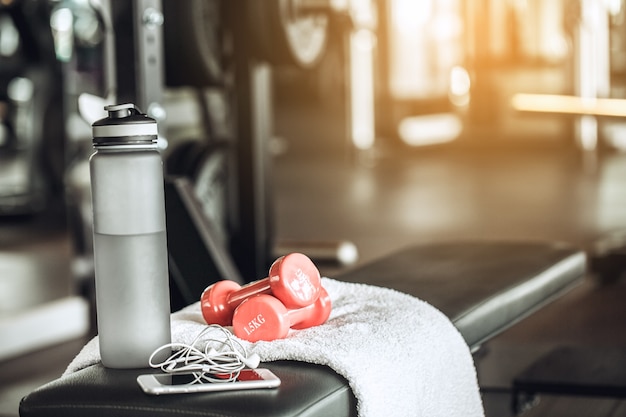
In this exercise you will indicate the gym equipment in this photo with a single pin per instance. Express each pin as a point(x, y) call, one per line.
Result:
point(31, 124)
point(264, 317)
point(192, 37)
point(292, 32)
point(138, 54)
point(293, 279)
point(341, 252)
point(207, 168)
point(571, 371)
point(195, 250)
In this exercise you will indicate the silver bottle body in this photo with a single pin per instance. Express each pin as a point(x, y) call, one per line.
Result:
point(130, 254)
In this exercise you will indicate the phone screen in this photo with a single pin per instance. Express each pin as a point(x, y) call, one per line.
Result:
point(184, 379)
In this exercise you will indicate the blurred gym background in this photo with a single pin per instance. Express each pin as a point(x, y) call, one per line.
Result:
point(344, 129)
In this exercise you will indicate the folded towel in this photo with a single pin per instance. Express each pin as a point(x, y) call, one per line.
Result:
point(400, 355)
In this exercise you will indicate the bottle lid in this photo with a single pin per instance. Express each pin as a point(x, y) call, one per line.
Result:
point(125, 125)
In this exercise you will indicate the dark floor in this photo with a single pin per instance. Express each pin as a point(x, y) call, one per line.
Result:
point(384, 200)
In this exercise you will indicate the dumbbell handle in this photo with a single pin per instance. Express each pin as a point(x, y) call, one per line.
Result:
point(261, 286)
point(311, 315)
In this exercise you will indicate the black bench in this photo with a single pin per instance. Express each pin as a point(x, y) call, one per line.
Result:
point(483, 287)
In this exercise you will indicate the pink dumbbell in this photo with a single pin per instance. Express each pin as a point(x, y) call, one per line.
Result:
point(293, 279)
point(264, 317)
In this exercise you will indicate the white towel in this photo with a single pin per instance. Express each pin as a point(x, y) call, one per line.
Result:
point(400, 355)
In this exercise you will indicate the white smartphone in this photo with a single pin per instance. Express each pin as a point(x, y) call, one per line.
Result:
point(157, 384)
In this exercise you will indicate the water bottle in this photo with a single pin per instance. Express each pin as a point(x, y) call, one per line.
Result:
point(130, 247)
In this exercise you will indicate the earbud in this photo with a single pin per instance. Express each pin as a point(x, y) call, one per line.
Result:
point(251, 361)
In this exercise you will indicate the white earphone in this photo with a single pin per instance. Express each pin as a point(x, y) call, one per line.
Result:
point(221, 360)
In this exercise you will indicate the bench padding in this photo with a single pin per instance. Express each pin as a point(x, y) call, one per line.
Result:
point(483, 287)
point(306, 390)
